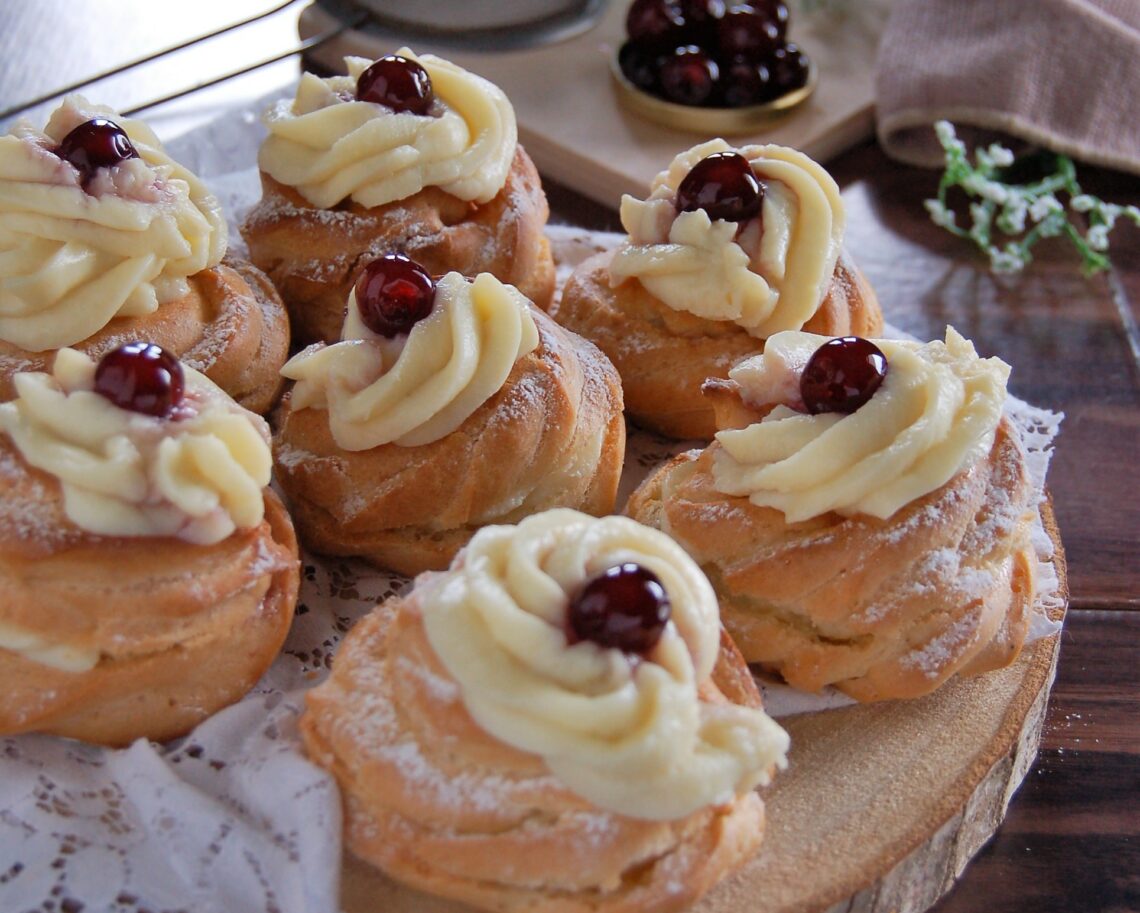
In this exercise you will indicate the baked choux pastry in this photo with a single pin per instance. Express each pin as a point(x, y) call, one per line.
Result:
point(864, 513)
point(409, 153)
point(104, 239)
point(555, 723)
point(731, 246)
point(149, 574)
point(448, 405)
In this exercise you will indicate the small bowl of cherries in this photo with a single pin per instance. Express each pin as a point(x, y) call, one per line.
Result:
point(713, 66)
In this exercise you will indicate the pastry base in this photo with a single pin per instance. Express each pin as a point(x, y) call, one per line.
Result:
point(882, 806)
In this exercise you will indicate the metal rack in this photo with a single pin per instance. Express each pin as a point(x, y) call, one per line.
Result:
point(353, 20)
point(347, 15)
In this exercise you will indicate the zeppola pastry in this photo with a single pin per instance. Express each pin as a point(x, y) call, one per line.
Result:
point(863, 514)
point(731, 246)
point(447, 405)
point(410, 153)
point(104, 239)
point(554, 723)
point(149, 574)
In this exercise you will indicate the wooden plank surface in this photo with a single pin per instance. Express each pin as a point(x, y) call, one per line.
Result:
point(1071, 839)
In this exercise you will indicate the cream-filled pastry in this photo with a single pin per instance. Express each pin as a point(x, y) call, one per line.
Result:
point(150, 573)
point(863, 513)
point(105, 239)
point(409, 153)
point(730, 246)
point(447, 405)
point(555, 722)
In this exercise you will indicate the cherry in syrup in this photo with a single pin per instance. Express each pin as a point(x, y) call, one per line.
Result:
point(789, 67)
point(744, 31)
point(624, 607)
point(141, 377)
point(641, 66)
point(398, 83)
point(748, 83)
point(842, 375)
point(775, 11)
point(688, 76)
point(393, 293)
point(654, 22)
point(724, 186)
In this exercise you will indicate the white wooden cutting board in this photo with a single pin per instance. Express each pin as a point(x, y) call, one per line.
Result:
point(573, 127)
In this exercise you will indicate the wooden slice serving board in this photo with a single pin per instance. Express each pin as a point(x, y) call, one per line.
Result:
point(882, 805)
point(573, 127)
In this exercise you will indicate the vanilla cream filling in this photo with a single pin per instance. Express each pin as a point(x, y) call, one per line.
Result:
point(197, 476)
point(418, 388)
point(330, 147)
point(629, 734)
point(935, 413)
point(31, 646)
point(72, 260)
point(765, 275)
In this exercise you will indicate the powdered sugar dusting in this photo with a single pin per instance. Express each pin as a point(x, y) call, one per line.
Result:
point(932, 657)
point(441, 689)
point(369, 718)
point(30, 510)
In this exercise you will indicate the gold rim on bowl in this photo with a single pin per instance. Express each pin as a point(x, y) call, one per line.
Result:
point(711, 121)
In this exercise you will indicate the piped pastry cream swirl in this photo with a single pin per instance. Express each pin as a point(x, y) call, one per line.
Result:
point(415, 389)
point(330, 147)
point(629, 734)
point(197, 475)
point(767, 274)
point(935, 414)
point(72, 259)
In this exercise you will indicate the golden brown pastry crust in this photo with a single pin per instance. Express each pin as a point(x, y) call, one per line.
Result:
point(182, 630)
point(553, 436)
point(437, 803)
point(663, 355)
point(232, 327)
point(314, 255)
point(879, 608)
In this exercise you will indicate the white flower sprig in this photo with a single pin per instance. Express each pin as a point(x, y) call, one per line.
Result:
point(1030, 210)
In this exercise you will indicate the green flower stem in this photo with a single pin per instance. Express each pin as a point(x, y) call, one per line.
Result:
point(1025, 213)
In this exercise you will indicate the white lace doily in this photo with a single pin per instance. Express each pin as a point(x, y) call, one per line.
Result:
point(232, 818)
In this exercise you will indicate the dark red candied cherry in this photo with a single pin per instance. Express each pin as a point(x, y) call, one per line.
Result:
point(746, 83)
point(398, 83)
point(774, 11)
point(743, 31)
point(141, 377)
point(654, 21)
point(701, 12)
point(393, 293)
point(689, 76)
point(842, 375)
point(640, 64)
point(724, 186)
point(789, 68)
point(700, 18)
point(94, 144)
point(624, 607)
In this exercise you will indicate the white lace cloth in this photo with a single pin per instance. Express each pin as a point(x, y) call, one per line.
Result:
point(232, 818)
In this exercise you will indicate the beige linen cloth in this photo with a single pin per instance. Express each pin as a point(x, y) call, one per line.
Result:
point(1063, 74)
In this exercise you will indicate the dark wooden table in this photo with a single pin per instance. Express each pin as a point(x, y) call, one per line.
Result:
point(1071, 841)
